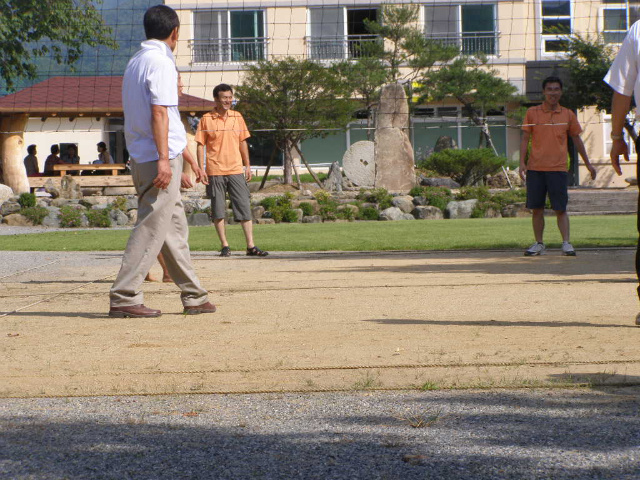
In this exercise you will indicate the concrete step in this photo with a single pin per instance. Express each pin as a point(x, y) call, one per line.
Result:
point(591, 201)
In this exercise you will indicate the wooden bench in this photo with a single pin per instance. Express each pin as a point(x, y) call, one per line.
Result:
point(78, 167)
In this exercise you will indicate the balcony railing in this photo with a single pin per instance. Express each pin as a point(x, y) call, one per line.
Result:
point(470, 43)
point(218, 50)
point(338, 48)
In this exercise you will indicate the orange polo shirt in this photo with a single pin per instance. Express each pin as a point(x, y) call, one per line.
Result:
point(222, 136)
point(549, 130)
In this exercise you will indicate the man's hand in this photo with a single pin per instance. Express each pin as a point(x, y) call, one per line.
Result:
point(523, 171)
point(185, 181)
point(592, 171)
point(247, 173)
point(619, 147)
point(164, 175)
point(201, 176)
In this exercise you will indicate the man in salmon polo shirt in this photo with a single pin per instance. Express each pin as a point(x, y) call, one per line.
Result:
point(548, 127)
point(224, 134)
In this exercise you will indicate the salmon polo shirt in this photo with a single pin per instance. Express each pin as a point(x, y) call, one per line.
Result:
point(222, 136)
point(549, 129)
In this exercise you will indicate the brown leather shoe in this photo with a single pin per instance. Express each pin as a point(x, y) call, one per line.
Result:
point(207, 307)
point(136, 311)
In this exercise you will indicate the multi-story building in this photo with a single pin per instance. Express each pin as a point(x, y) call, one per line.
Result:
point(523, 40)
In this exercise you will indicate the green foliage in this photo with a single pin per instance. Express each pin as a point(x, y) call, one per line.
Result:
point(467, 167)
point(590, 58)
point(34, 214)
point(466, 193)
point(279, 207)
point(377, 195)
point(27, 200)
point(296, 99)
point(508, 197)
point(307, 208)
point(119, 203)
point(468, 80)
point(329, 210)
point(344, 212)
point(436, 196)
point(368, 213)
point(99, 218)
point(60, 29)
point(70, 217)
point(290, 216)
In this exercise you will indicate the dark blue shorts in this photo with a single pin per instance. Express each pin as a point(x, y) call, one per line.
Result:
point(541, 184)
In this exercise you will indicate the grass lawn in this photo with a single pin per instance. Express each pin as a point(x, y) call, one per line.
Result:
point(499, 233)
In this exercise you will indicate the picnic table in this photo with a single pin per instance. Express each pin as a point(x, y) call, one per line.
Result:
point(76, 167)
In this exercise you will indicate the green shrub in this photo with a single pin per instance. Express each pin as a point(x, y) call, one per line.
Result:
point(436, 196)
point(328, 211)
point(368, 213)
point(467, 193)
point(290, 216)
point(268, 203)
point(467, 167)
point(34, 214)
point(322, 196)
point(278, 206)
point(377, 195)
point(119, 203)
point(508, 197)
point(99, 218)
point(307, 208)
point(346, 213)
point(27, 200)
point(70, 217)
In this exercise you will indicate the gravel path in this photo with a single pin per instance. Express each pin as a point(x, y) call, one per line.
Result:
point(522, 434)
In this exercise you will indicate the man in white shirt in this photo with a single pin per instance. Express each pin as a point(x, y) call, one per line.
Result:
point(156, 140)
point(624, 78)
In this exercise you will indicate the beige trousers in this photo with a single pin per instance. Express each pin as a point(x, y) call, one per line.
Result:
point(161, 227)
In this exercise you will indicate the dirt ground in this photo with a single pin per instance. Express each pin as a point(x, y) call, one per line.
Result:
point(323, 321)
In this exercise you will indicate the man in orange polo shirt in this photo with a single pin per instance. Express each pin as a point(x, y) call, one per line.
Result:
point(224, 134)
point(548, 126)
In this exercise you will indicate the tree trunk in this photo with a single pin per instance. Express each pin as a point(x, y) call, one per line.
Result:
point(11, 150)
point(266, 172)
point(313, 174)
point(288, 164)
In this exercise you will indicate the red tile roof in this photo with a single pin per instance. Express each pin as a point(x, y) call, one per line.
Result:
point(74, 95)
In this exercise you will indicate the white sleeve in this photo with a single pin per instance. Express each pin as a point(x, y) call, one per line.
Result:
point(624, 71)
point(162, 81)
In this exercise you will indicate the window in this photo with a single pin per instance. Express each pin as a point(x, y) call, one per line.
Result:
point(617, 17)
point(471, 27)
point(228, 36)
point(556, 24)
point(338, 33)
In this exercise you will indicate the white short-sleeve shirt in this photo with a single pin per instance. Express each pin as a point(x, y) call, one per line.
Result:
point(623, 75)
point(151, 78)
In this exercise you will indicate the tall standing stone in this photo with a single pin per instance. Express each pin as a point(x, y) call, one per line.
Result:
point(394, 163)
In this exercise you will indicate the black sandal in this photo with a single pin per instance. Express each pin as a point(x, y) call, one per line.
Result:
point(225, 252)
point(256, 252)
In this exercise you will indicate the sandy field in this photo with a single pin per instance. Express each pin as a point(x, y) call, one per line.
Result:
point(323, 322)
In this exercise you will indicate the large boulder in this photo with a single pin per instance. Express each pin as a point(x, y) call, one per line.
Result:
point(460, 208)
point(403, 202)
point(393, 108)
point(5, 193)
point(392, 213)
point(70, 188)
point(516, 210)
point(394, 160)
point(198, 220)
point(132, 215)
point(427, 213)
point(312, 219)
point(51, 188)
point(118, 217)
point(439, 182)
point(257, 212)
point(9, 207)
point(119, 191)
point(52, 219)
point(359, 165)
point(16, 220)
point(444, 142)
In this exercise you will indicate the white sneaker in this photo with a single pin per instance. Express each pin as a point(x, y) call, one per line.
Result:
point(535, 249)
point(567, 249)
